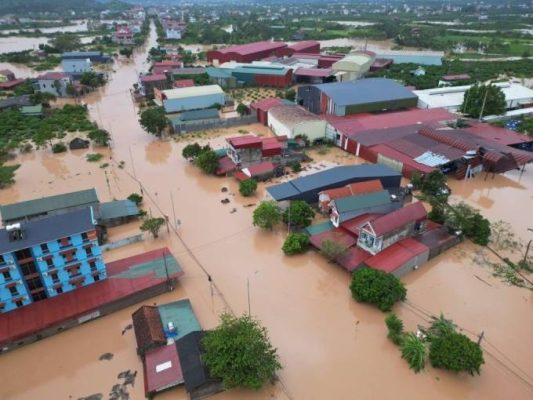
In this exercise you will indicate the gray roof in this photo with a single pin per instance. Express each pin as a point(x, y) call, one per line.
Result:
point(194, 115)
point(117, 209)
point(188, 71)
point(47, 229)
point(291, 115)
point(364, 91)
point(18, 101)
point(357, 202)
point(81, 54)
point(329, 178)
point(44, 205)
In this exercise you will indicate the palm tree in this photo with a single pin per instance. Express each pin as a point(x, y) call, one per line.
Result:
point(440, 326)
point(413, 351)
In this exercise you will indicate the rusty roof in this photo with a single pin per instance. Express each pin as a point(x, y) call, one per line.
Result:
point(148, 328)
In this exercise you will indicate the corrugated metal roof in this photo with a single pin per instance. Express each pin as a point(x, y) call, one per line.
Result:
point(117, 209)
point(208, 113)
point(352, 225)
point(305, 44)
point(353, 259)
point(389, 152)
point(251, 48)
point(245, 141)
point(162, 369)
point(261, 70)
point(192, 91)
point(336, 235)
point(431, 159)
point(148, 328)
point(220, 73)
point(181, 314)
point(47, 229)
point(396, 219)
point(47, 204)
point(351, 203)
point(314, 72)
point(364, 91)
point(319, 228)
point(291, 116)
point(393, 257)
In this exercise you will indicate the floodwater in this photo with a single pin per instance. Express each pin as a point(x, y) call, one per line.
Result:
point(18, 43)
point(79, 26)
point(330, 346)
point(355, 23)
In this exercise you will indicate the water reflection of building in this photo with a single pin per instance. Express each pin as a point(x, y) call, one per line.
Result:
point(45, 257)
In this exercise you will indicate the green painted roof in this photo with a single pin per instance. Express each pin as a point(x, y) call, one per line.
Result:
point(351, 203)
point(182, 316)
point(261, 70)
point(37, 109)
point(155, 266)
point(220, 73)
point(47, 204)
point(319, 228)
point(117, 209)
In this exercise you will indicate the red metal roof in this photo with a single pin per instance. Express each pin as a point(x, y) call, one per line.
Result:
point(266, 104)
point(399, 218)
point(352, 226)
point(251, 48)
point(459, 77)
point(354, 258)
point(337, 235)
point(165, 360)
point(183, 83)
point(153, 78)
point(11, 84)
point(299, 46)
point(361, 122)
point(245, 142)
point(314, 72)
point(497, 134)
point(225, 166)
point(393, 257)
point(272, 146)
point(261, 168)
point(389, 152)
point(41, 315)
point(381, 62)
point(241, 176)
point(52, 76)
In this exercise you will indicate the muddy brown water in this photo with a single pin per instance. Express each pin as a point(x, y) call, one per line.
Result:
point(330, 346)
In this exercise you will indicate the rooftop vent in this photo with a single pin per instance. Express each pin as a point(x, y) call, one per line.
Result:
point(15, 232)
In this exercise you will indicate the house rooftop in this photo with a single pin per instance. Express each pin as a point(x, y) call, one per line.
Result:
point(162, 369)
point(192, 91)
point(267, 104)
point(153, 78)
point(364, 91)
point(394, 220)
point(366, 200)
point(314, 72)
point(251, 48)
point(148, 328)
point(47, 229)
point(292, 116)
point(52, 76)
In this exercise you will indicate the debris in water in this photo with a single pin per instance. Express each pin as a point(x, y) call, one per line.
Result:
point(224, 189)
point(106, 357)
point(224, 201)
point(233, 211)
point(97, 396)
point(482, 280)
point(249, 205)
point(128, 327)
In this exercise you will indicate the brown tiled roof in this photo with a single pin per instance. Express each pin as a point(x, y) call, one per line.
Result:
point(148, 328)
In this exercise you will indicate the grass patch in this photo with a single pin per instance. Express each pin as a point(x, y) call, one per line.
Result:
point(94, 157)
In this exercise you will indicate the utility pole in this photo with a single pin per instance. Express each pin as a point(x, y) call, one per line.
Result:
point(480, 337)
point(248, 291)
point(169, 283)
point(484, 101)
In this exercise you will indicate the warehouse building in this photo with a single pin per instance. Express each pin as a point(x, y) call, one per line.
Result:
point(314, 75)
point(291, 121)
point(190, 98)
point(353, 97)
point(353, 66)
point(262, 107)
point(221, 77)
point(245, 53)
point(308, 187)
point(452, 98)
point(306, 46)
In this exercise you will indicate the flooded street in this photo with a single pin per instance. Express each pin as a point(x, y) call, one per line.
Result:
point(330, 346)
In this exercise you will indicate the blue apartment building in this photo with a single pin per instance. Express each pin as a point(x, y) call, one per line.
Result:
point(46, 257)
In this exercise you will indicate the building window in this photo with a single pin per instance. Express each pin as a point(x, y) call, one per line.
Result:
point(59, 290)
point(34, 283)
point(64, 242)
point(74, 271)
point(54, 277)
point(28, 268)
point(19, 303)
point(89, 251)
point(13, 290)
point(49, 262)
point(39, 296)
point(7, 275)
point(96, 278)
point(85, 236)
point(92, 265)
point(2, 260)
point(44, 248)
point(23, 254)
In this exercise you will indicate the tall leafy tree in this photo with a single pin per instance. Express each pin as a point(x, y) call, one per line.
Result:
point(456, 352)
point(377, 287)
point(239, 352)
point(298, 214)
point(413, 351)
point(483, 100)
point(152, 225)
point(267, 215)
point(153, 120)
point(207, 161)
point(7, 174)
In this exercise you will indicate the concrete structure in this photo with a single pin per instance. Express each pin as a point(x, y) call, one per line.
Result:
point(262, 107)
point(191, 98)
point(173, 29)
point(94, 56)
point(245, 53)
point(353, 66)
point(182, 121)
point(76, 66)
point(291, 121)
point(353, 97)
point(123, 35)
point(222, 77)
point(250, 149)
point(452, 98)
point(46, 257)
point(384, 231)
point(308, 187)
point(53, 82)
point(346, 208)
point(163, 67)
point(48, 206)
point(154, 81)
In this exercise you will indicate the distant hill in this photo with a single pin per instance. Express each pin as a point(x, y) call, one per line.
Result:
point(32, 7)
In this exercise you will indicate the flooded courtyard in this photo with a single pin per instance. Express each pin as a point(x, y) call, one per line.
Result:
point(330, 346)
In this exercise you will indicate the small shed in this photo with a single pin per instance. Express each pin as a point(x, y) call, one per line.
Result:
point(148, 329)
point(116, 212)
point(32, 111)
point(162, 370)
point(78, 143)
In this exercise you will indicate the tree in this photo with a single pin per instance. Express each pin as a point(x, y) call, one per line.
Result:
point(136, 198)
point(467, 219)
point(153, 120)
point(434, 184)
point(59, 147)
point(456, 352)
point(191, 151)
point(248, 187)
point(332, 250)
point(43, 98)
point(296, 243)
point(440, 326)
point(7, 174)
point(126, 51)
point(66, 42)
point(290, 94)
point(152, 225)
point(71, 90)
point(239, 352)
point(413, 351)
point(92, 79)
point(207, 161)
point(267, 214)
point(483, 100)
point(377, 287)
point(295, 166)
point(299, 214)
point(242, 109)
point(395, 327)
point(99, 136)
point(416, 179)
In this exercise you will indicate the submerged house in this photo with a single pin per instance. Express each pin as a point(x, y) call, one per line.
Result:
point(326, 196)
point(384, 231)
point(346, 208)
